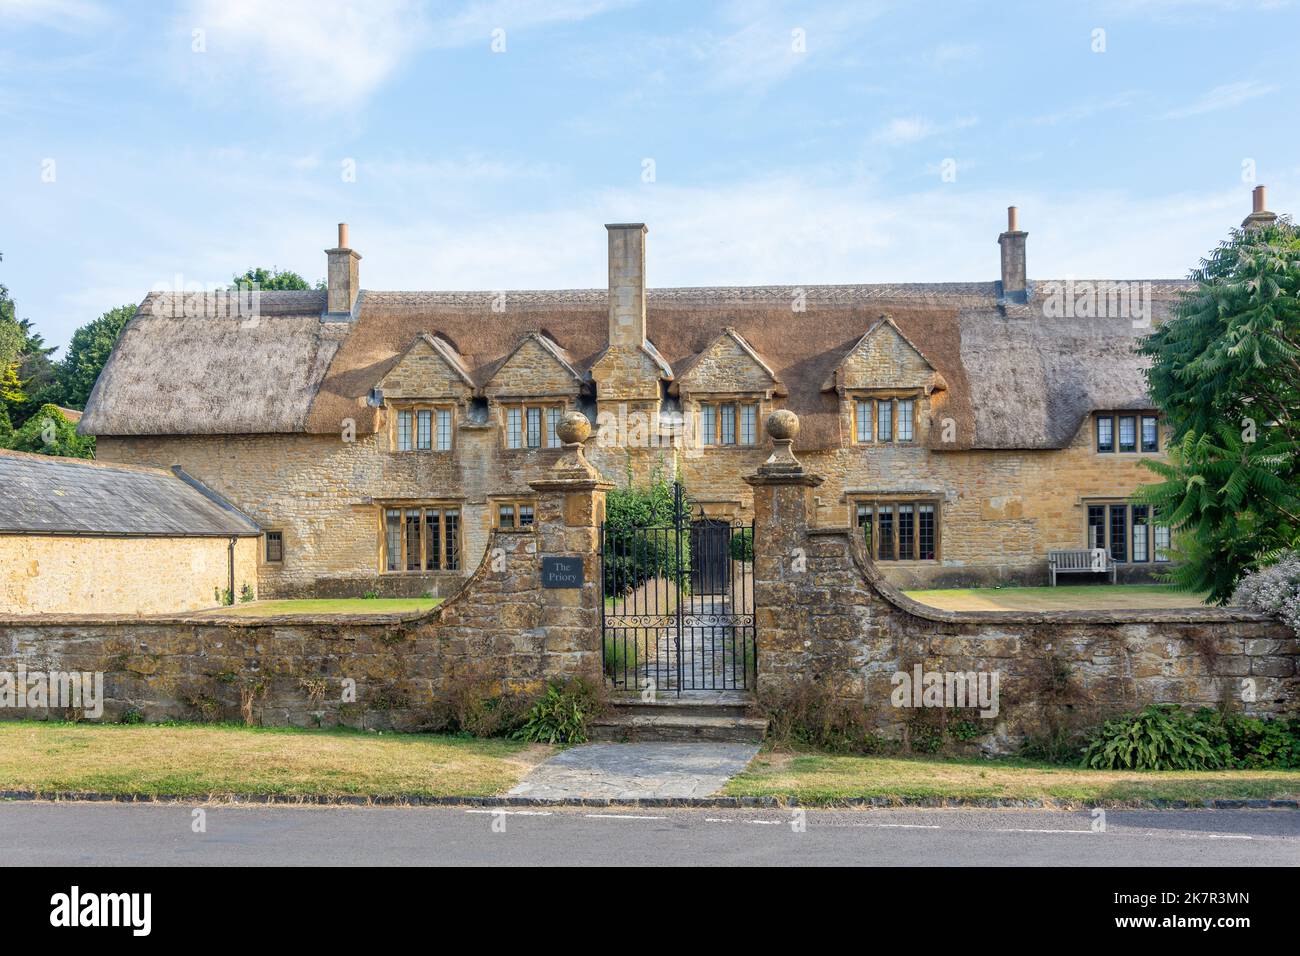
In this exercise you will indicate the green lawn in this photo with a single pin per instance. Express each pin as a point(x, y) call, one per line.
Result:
point(331, 606)
point(200, 759)
point(1065, 597)
point(820, 778)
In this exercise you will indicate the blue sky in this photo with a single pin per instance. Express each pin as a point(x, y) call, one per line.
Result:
point(763, 142)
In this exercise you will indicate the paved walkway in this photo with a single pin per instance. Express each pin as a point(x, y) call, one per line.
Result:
point(636, 770)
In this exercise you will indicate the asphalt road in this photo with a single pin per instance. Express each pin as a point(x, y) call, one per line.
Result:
point(81, 834)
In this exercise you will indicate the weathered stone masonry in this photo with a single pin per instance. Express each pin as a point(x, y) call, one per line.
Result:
point(826, 613)
point(502, 630)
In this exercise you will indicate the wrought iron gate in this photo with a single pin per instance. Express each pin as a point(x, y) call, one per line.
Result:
point(678, 610)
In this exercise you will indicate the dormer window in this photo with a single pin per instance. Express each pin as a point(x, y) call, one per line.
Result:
point(421, 428)
point(728, 423)
point(530, 425)
point(884, 420)
point(1127, 432)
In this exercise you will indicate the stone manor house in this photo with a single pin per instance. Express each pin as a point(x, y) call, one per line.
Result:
point(377, 437)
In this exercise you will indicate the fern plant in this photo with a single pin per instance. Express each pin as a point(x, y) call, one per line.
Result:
point(1159, 737)
point(561, 714)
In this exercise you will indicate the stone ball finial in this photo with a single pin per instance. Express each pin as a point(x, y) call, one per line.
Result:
point(782, 424)
point(573, 428)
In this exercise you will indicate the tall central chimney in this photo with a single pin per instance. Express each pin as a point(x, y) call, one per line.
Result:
point(343, 278)
point(1015, 286)
point(626, 284)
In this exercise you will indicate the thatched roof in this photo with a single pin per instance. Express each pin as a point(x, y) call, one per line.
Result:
point(217, 372)
point(1015, 378)
point(71, 496)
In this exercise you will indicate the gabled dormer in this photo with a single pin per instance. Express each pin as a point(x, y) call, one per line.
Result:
point(884, 358)
point(536, 367)
point(530, 390)
point(727, 366)
point(885, 382)
point(425, 393)
point(430, 368)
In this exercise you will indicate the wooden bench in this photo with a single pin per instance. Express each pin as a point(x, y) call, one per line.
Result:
point(1081, 561)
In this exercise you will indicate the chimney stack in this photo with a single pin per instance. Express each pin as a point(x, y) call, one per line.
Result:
point(1259, 214)
point(626, 284)
point(343, 277)
point(1015, 287)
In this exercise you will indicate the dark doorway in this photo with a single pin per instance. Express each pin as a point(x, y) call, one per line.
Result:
point(710, 557)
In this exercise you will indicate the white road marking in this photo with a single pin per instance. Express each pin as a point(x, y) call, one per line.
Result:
point(1040, 830)
point(518, 813)
point(718, 820)
point(767, 823)
point(1228, 836)
point(619, 816)
point(905, 826)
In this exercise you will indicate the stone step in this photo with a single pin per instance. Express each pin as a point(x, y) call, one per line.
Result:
point(671, 724)
point(700, 703)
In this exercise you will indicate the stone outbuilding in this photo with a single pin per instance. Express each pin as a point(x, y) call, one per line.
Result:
point(82, 537)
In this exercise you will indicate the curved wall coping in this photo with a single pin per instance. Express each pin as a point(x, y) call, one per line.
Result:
point(875, 579)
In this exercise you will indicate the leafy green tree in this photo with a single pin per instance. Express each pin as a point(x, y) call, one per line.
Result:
point(1226, 374)
point(90, 348)
point(11, 346)
point(49, 433)
point(632, 558)
point(37, 373)
point(6, 429)
point(271, 280)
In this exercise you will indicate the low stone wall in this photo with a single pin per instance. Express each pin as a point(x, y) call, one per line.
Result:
point(503, 630)
point(826, 613)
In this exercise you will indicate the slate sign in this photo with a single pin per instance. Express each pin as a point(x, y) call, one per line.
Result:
point(561, 572)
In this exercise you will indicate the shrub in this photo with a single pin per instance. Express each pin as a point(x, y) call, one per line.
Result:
point(561, 714)
point(1056, 745)
point(620, 655)
point(1159, 737)
point(246, 594)
point(809, 714)
point(132, 715)
point(1257, 743)
point(631, 558)
point(475, 707)
point(742, 545)
point(1274, 590)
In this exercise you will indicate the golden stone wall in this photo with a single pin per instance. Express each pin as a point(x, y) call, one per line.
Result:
point(58, 574)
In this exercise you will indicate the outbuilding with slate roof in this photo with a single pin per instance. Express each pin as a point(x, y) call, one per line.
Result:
point(85, 537)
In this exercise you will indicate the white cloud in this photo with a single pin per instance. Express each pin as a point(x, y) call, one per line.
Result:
point(1223, 97)
point(68, 15)
point(334, 54)
point(905, 130)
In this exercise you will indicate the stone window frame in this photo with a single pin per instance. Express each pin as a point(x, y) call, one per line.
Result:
point(737, 402)
point(550, 412)
point(516, 506)
point(266, 546)
point(413, 408)
point(872, 399)
point(451, 548)
point(1113, 419)
point(882, 500)
point(1128, 508)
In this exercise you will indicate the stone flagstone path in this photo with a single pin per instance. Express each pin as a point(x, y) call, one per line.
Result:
point(636, 771)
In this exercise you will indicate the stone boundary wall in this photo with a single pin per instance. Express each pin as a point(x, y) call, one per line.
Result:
point(827, 614)
point(502, 630)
